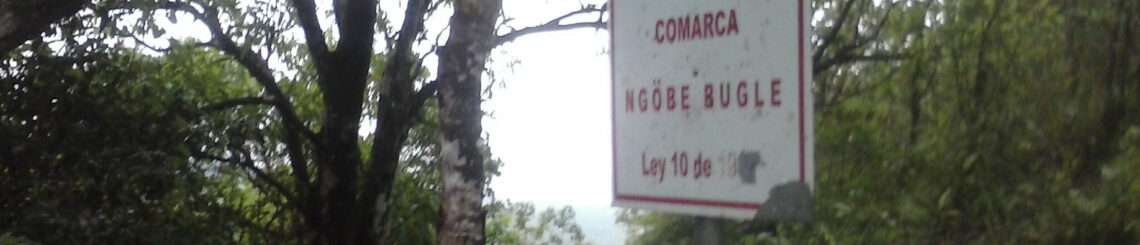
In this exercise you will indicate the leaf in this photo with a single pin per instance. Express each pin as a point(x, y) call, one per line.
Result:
point(945, 199)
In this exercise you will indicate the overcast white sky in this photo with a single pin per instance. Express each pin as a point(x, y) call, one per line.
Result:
point(551, 120)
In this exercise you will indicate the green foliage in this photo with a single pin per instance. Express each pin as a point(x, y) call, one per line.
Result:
point(1003, 122)
point(92, 147)
point(517, 223)
point(8, 239)
point(111, 131)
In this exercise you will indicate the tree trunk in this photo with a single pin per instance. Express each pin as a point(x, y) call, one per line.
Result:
point(461, 66)
point(343, 82)
point(21, 20)
point(399, 106)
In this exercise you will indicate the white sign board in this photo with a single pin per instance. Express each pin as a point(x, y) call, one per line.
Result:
point(712, 104)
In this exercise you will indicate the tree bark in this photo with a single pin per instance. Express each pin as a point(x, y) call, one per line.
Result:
point(339, 160)
point(21, 20)
point(399, 106)
point(461, 65)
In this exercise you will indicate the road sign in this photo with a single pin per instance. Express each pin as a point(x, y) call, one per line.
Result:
point(712, 104)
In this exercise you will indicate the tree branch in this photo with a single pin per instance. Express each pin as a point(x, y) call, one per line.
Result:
point(557, 25)
point(850, 52)
point(397, 105)
point(235, 102)
point(314, 36)
point(829, 39)
point(258, 68)
point(426, 92)
point(844, 59)
point(246, 163)
point(23, 20)
point(151, 47)
point(356, 35)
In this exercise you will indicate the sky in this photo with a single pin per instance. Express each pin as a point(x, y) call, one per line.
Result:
point(550, 119)
point(550, 125)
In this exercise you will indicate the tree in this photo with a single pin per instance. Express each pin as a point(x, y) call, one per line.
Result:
point(315, 170)
point(88, 150)
point(461, 66)
point(517, 223)
point(994, 122)
point(24, 20)
point(164, 194)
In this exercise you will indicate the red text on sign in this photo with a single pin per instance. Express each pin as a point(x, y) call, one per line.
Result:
point(716, 95)
point(696, 27)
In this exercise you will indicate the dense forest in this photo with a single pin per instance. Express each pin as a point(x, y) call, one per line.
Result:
point(271, 122)
point(970, 121)
point(937, 122)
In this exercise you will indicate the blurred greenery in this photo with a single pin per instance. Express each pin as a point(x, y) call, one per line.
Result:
point(518, 223)
point(96, 147)
point(996, 122)
point(93, 151)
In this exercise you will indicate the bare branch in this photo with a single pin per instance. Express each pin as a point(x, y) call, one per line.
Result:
point(557, 25)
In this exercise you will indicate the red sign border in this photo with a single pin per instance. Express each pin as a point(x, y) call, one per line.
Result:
point(687, 201)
